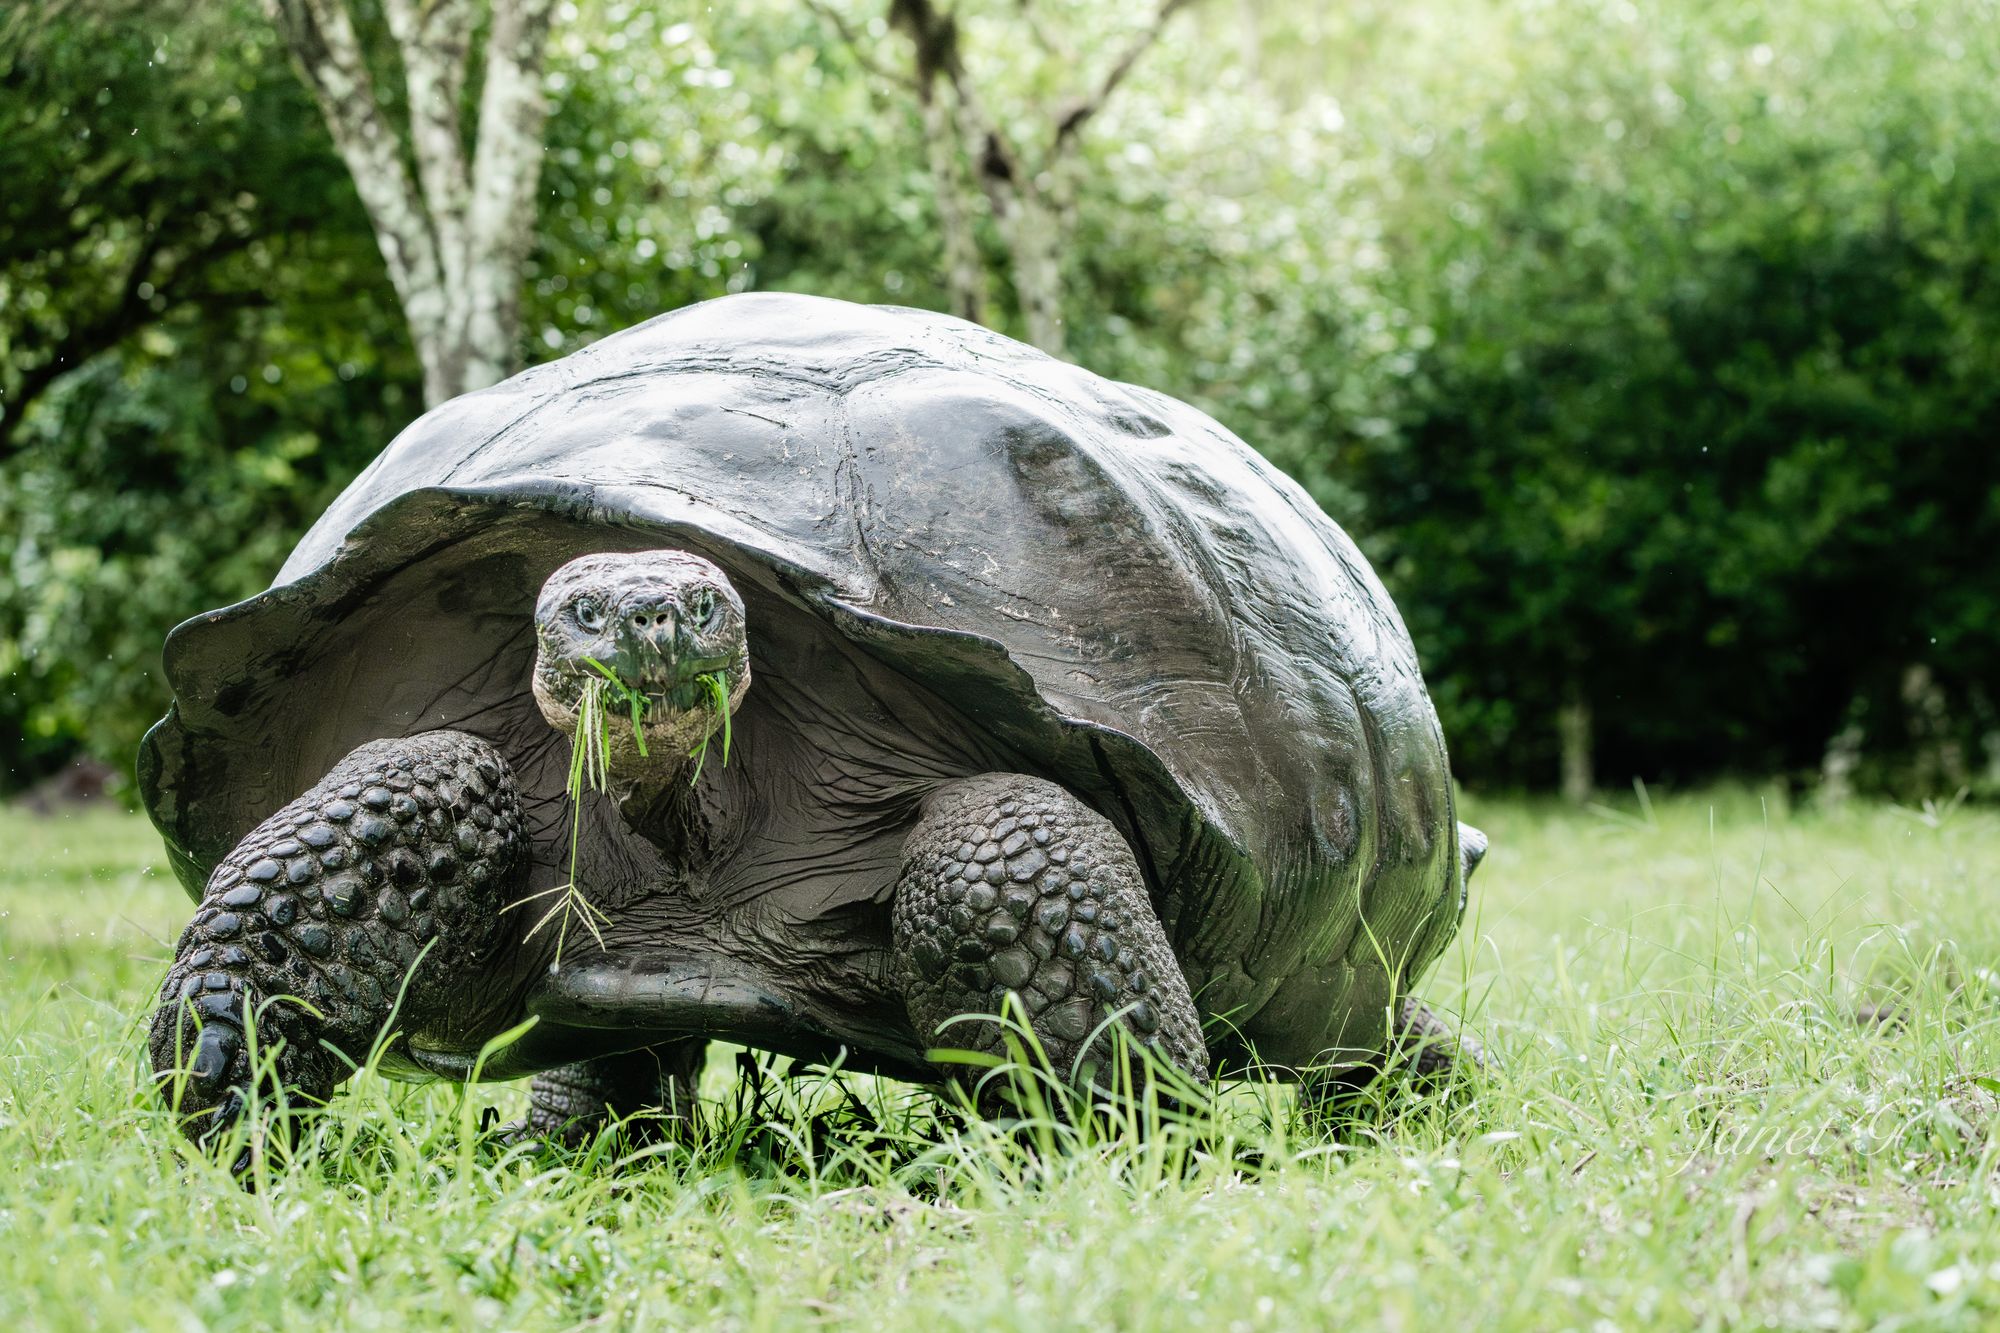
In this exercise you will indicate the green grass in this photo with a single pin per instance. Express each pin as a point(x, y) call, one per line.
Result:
point(1687, 1127)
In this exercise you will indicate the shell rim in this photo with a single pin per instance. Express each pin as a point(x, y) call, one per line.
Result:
point(362, 559)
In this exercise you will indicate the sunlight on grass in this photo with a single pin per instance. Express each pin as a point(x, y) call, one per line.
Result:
point(1686, 1123)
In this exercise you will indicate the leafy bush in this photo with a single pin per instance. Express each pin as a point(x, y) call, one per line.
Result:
point(1647, 349)
point(1701, 410)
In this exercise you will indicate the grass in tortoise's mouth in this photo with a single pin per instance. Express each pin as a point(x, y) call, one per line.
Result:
point(604, 696)
point(648, 694)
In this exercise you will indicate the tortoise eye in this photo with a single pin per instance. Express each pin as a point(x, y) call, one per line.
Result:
point(701, 605)
point(589, 615)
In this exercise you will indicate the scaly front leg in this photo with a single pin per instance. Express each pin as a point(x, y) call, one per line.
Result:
point(312, 927)
point(1012, 885)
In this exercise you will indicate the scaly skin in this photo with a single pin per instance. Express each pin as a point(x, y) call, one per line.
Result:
point(570, 1104)
point(1427, 1050)
point(408, 842)
point(1010, 883)
point(1431, 1046)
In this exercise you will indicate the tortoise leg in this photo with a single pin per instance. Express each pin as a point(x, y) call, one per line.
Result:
point(568, 1105)
point(1425, 1048)
point(1010, 884)
point(1431, 1047)
point(316, 920)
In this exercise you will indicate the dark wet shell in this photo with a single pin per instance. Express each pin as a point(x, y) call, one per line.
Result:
point(1105, 582)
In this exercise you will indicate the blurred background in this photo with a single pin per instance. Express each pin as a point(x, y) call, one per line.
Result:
point(1651, 351)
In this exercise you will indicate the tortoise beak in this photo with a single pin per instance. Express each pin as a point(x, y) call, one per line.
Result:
point(648, 652)
point(655, 652)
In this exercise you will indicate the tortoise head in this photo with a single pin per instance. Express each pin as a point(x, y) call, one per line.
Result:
point(667, 624)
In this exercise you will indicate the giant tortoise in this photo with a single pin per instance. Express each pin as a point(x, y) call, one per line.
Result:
point(1043, 686)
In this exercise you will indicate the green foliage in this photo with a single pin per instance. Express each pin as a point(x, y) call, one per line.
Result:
point(233, 355)
point(161, 182)
point(1646, 348)
point(1699, 404)
point(654, 154)
point(132, 519)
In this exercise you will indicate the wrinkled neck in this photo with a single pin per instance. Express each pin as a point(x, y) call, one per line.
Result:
point(652, 789)
point(663, 771)
point(665, 807)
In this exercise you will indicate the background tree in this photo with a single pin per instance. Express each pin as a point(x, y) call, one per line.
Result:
point(140, 147)
point(1689, 456)
point(453, 233)
point(1647, 349)
point(1024, 164)
point(170, 469)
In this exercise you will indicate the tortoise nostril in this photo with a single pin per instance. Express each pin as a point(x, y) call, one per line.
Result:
point(648, 619)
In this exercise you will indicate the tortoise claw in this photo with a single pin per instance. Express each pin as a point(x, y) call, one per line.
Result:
point(206, 1127)
point(214, 1052)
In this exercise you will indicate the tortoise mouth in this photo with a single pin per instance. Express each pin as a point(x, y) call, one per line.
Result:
point(675, 686)
point(653, 711)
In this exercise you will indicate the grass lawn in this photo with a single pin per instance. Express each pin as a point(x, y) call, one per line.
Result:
point(1686, 1126)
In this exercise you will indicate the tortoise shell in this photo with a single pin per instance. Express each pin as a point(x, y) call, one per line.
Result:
point(1023, 564)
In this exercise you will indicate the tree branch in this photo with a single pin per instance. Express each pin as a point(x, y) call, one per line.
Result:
point(947, 142)
point(964, 270)
point(1043, 37)
point(934, 34)
point(506, 165)
point(512, 110)
point(1078, 115)
point(434, 38)
point(126, 313)
point(852, 40)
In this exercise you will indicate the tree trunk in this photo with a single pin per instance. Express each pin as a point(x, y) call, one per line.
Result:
point(453, 236)
point(1936, 758)
point(1989, 739)
point(964, 270)
point(1026, 208)
point(1841, 758)
point(1033, 232)
point(1573, 734)
point(1250, 40)
point(505, 172)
